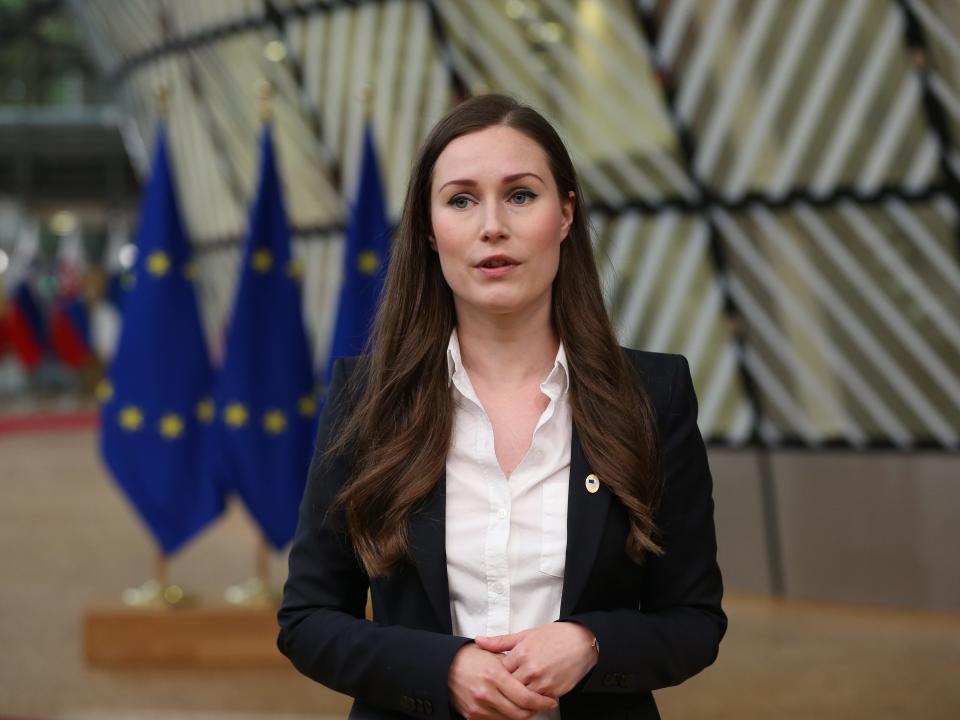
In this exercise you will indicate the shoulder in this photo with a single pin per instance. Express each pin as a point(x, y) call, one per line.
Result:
point(346, 385)
point(662, 375)
point(347, 365)
point(348, 372)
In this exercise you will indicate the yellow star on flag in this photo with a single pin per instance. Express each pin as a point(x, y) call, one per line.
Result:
point(262, 260)
point(104, 391)
point(131, 418)
point(307, 405)
point(205, 411)
point(235, 415)
point(158, 263)
point(295, 269)
point(274, 422)
point(171, 426)
point(368, 262)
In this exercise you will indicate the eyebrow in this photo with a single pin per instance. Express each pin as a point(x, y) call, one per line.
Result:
point(506, 179)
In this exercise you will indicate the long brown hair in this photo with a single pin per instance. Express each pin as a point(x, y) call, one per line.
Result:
point(399, 431)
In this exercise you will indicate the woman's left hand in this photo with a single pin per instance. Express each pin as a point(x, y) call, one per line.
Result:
point(550, 659)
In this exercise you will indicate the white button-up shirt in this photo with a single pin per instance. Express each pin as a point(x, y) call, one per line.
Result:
point(506, 539)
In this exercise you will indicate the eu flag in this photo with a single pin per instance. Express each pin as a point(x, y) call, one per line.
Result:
point(365, 256)
point(156, 408)
point(264, 396)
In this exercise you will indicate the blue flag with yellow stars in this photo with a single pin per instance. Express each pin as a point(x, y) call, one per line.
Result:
point(156, 405)
point(264, 397)
point(365, 257)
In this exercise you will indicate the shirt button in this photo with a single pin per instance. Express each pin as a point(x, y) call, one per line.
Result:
point(498, 588)
point(501, 513)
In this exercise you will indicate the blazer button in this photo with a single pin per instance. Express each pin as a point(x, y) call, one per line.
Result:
point(428, 707)
point(610, 680)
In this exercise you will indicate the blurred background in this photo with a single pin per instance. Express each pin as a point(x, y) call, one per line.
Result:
point(775, 189)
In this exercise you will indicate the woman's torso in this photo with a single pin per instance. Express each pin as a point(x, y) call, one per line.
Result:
point(506, 535)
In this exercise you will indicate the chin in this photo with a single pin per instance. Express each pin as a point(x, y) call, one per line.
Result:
point(503, 303)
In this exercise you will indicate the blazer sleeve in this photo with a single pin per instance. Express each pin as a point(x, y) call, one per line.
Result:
point(323, 629)
point(677, 630)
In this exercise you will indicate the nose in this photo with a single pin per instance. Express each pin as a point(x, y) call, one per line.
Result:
point(494, 223)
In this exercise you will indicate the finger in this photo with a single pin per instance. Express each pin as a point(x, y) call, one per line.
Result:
point(500, 643)
point(538, 685)
point(510, 662)
point(496, 643)
point(494, 705)
point(504, 709)
point(523, 697)
point(525, 677)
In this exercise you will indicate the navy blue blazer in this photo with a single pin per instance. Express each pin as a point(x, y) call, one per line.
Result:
point(657, 623)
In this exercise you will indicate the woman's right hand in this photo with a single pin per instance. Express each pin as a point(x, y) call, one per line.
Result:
point(482, 689)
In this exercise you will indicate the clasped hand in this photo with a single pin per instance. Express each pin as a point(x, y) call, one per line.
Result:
point(515, 676)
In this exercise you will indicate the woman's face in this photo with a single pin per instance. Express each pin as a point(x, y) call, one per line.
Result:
point(498, 221)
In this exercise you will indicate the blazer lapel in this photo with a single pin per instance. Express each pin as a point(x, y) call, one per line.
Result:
point(586, 516)
point(428, 540)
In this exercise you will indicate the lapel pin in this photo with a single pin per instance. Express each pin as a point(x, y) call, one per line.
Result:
point(592, 483)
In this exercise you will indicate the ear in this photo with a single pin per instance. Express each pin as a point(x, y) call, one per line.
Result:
point(433, 242)
point(566, 211)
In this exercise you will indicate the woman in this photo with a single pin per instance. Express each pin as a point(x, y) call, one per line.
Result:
point(528, 503)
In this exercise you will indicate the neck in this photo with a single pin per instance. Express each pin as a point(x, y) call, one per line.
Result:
point(507, 349)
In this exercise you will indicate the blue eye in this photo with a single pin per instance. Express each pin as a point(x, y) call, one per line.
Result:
point(461, 202)
point(522, 197)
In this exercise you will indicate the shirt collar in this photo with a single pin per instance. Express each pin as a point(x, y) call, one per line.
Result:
point(559, 377)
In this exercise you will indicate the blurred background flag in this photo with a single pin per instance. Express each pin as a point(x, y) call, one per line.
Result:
point(365, 256)
point(113, 280)
point(265, 397)
point(70, 318)
point(26, 325)
point(156, 405)
point(27, 329)
point(70, 331)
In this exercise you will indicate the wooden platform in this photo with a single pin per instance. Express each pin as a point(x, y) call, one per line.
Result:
point(182, 637)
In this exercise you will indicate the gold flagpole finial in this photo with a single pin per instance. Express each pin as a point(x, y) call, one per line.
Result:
point(161, 90)
point(265, 93)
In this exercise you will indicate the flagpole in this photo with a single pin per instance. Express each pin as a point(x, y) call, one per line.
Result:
point(257, 591)
point(160, 568)
point(367, 92)
point(265, 93)
point(263, 562)
point(262, 591)
point(160, 561)
point(158, 591)
point(161, 91)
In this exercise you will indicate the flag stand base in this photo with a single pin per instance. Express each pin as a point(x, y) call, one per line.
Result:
point(157, 594)
point(162, 636)
point(253, 593)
